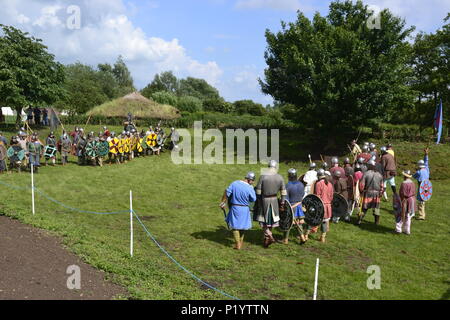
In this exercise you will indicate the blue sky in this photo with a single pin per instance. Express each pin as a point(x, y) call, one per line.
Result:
point(221, 41)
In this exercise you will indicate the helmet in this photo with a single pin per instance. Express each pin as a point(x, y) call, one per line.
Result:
point(113, 134)
point(172, 129)
point(124, 132)
point(312, 165)
point(292, 173)
point(321, 173)
point(337, 174)
point(104, 128)
point(65, 135)
point(328, 173)
point(346, 161)
point(365, 148)
point(325, 165)
point(372, 146)
point(421, 164)
point(371, 163)
point(366, 143)
point(273, 164)
point(334, 160)
point(357, 167)
point(250, 176)
point(361, 160)
point(383, 149)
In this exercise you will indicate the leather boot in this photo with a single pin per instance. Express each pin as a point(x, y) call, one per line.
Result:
point(322, 237)
point(377, 220)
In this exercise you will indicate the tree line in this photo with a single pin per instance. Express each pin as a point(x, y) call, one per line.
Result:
point(329, 74)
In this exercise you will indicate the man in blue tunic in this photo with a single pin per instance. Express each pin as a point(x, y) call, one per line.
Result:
point(422, 174)
point(239, 195)
point(295, 194)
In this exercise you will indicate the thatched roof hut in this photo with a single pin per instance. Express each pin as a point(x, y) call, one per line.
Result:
point(138, 105)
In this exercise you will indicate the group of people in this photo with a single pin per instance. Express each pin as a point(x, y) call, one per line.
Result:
point(37, 116)
point(362, 182)
point(90, 149)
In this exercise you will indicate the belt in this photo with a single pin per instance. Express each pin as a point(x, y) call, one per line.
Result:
point(239, 205)
point(271, 196)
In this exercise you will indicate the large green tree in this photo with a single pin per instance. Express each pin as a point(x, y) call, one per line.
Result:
point(29, 74)
point(85, 89)
point(198, 88)
point(166, 81)
point(431, 63)
point(336, 71)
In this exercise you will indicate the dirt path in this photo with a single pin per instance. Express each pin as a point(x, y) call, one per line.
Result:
point(33, 266)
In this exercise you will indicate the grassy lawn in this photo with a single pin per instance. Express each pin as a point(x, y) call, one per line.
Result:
point(179, 205)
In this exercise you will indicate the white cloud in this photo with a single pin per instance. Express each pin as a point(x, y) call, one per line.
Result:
point(271, 4)
point(105, 33)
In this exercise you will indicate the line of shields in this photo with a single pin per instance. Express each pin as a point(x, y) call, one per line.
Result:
point(141, 145)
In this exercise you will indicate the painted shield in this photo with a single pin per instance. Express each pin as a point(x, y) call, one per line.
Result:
point(426, 190)
point(339, 206)
point(16, 153)
point(314, 210)
point(103, 148)
point(139, 147)
point(143, 143)
point(286, 217)
point(151, 140)
point(114, 146)
point(92, 149)
point(3, 152)
point(50, 151)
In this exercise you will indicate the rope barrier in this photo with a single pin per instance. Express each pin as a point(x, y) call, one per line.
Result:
point(140, 222)
point(178, 264)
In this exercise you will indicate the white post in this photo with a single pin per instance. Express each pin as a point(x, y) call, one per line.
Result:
point(32, 189)
point(316, 280)
point(131, 223)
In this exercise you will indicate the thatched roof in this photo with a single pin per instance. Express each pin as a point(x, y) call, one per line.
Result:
point(138, 105)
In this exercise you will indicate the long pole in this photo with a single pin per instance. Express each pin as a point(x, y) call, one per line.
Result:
point(131, 223)
point(32, 189)
point(316, 280)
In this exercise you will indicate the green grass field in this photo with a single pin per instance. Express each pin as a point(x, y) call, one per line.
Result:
point(179, 205)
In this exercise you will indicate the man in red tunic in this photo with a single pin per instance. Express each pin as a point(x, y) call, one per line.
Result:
point(408, 200)
point(325, 191)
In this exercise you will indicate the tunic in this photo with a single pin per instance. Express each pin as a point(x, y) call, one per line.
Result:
point(407, 193)
point(372, 185)
point(422, 175)
point(267, 188)
point(325, 192)
point(239, 195)
point(310, 178)
point(389, 166)
point(295, 193)
point(340, 186)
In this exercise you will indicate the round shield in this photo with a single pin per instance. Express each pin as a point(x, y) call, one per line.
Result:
point(103, 148)
point(151, 140)
point(3, 152)
point(114, 146)
point(16, 153)
point(143, 143)
point(286, 217)
point(92, 149)
point(314, 210)
point(426, 190)
point(50, 151)
point(339, 206)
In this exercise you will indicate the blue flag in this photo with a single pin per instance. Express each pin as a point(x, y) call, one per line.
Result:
point(438, 121)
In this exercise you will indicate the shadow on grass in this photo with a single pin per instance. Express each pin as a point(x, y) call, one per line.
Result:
point(225, 237)
point(370, 226)
point(446, 295)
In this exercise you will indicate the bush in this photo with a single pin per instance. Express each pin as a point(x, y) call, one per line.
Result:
point(164, 97)
point(189, 104)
